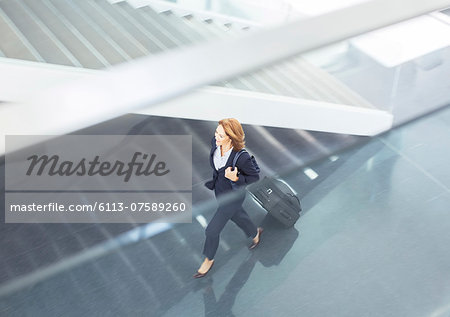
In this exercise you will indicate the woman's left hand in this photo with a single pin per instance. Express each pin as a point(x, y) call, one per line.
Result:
point(231, 175)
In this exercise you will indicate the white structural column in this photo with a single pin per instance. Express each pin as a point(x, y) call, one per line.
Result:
point(158, 78)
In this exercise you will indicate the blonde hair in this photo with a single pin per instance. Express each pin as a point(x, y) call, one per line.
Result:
point(235, 132)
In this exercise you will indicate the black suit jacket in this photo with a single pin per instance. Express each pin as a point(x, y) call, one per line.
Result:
point(247, 172)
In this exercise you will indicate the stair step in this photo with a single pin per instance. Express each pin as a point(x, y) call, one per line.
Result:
point(308, 88)
point(330, 84)
point(134, 31)
point(91, 31)
point(280, 83)
point(66, 34)
point(314, 85)
point(261, 84)
point(211, 31)
point(299, 88)
point(162, 23)
point(159, 29)
point(51, 50)
point(202, 33)
point(199, 27)
point(255, 81)
point(156, 35)
point(215, 28)
point(181, 26)
point(115, 30)
point(13, 43)
point(236, 83)
point(298, 78)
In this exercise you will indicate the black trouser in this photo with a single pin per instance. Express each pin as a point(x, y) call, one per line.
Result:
point(237, 214)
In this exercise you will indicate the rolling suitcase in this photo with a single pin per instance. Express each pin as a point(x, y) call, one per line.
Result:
point(275, 196)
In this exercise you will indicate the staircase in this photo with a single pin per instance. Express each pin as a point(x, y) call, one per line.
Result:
point(96, 34)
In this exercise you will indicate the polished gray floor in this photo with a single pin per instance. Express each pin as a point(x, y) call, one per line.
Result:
point(372, 241)
point(29, 247)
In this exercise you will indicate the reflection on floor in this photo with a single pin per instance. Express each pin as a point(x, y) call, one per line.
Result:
point(373, 239)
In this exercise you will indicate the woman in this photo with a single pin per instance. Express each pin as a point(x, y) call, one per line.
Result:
point(228, 140)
